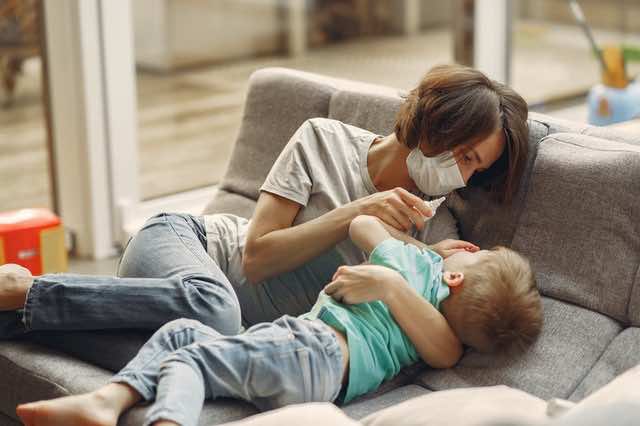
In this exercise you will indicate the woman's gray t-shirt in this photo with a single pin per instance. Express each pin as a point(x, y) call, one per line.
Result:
point(322, 167)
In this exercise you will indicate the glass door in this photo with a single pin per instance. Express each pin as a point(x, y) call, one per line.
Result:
point(25, 170)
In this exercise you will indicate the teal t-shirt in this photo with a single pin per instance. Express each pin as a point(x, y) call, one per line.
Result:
point(378, 348)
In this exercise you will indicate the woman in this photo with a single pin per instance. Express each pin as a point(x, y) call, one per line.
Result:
point(456, 124)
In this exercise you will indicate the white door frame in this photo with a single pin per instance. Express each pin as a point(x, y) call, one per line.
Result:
point(121, 113)
point(94, 124)
point(492, 38)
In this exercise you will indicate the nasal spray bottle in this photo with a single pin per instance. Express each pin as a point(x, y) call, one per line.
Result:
point(433, 205)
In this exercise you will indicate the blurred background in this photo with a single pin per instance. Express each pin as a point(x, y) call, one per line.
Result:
point(189, 62)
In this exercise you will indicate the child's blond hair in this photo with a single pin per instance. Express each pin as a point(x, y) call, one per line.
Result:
point(501, 305)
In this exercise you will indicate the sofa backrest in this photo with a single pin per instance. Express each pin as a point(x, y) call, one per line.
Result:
point(579, 223)
point(279, 100)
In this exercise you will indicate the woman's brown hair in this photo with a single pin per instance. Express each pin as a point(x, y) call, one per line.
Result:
point(457, 106)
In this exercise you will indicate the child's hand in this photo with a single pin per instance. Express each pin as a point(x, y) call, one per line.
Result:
point(362, 283)
point(446, 248)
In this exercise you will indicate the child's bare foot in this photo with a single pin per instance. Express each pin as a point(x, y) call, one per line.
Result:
point(165, 423)
point(15, 282)
point(88, 409)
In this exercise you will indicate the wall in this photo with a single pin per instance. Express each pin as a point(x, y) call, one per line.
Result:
point(171, 34)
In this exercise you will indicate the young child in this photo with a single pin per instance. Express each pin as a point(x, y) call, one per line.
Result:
point(361, 331)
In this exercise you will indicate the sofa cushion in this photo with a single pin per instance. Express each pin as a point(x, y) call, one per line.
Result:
point(31, 372)
point(495, 405)
point(481, 219)
point(9, 421)
point(108, 349)
point(213, 413)
point(579, 225)
point(374, 112)
point(617, 403)
point(229, 202)
point(309, 414)
point(572, 340)
point(556, 125)
point(634, 301)
point(612, 134)
point(622, 354)
point(359, 409)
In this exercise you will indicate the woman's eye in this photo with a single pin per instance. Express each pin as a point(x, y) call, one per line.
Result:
point(467, 158)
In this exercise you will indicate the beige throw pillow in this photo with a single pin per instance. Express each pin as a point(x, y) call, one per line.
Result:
point(491, 405)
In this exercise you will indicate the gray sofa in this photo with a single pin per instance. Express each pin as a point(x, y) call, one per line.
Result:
point(576, 217)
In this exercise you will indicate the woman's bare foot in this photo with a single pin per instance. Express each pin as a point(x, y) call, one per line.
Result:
point(15, 282)
point(89, 409)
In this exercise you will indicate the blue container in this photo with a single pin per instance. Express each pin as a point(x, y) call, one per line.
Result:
point(608, 105)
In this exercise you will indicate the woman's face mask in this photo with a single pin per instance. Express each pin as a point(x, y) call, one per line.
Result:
point(432, 175)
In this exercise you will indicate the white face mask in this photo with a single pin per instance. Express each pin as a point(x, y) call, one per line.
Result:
point(431, 175)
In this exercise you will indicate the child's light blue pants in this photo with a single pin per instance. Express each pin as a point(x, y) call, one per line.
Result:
point(271, 365)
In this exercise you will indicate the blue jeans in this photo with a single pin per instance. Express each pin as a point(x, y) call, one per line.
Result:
point(288, 361)
point(165, 273)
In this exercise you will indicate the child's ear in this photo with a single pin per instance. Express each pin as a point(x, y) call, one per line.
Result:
point(453, 279)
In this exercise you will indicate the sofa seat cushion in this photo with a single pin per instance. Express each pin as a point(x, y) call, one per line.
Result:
point(622, 354)
point(9, 421)
point(364, 407)
point(634, 301)
point(571, 342)
point(31, 372)
point(108, 349)
point(579, 225)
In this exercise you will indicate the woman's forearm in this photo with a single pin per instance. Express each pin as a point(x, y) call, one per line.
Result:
point(274, 246)
point(285, 249)
point(425, 326)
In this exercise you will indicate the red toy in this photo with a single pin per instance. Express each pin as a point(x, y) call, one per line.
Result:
point(33, 238)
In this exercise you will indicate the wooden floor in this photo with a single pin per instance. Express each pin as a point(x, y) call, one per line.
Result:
point(188, 120)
